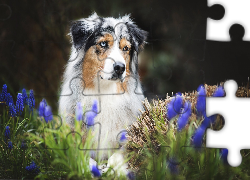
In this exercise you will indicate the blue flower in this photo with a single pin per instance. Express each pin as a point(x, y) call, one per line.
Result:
point(198, 137)
point(19, 104)
point(123, 137)
point(25, 97)
point(48, 116)
point(224, 153)
point(95, 171)
point(9, 99)
point(7, 133)
point(42, 106)
point(23, 145)
point(131, 175)
point(184, 116)
point(31, 100)
point(95, 106)
point(4, 93)
point(12, 110)
point(79, 112)
point(201, 101)
point(173, 165)
point(90, 116)
point(10, 145)
point(174, 107)
point(33, 168)
point(219, 92)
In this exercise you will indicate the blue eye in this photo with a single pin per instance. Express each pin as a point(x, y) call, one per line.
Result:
point(103, 44)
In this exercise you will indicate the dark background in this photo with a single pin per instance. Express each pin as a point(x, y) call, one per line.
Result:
point(34, 46)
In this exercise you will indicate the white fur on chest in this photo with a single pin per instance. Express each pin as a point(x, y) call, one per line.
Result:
point(116, 111)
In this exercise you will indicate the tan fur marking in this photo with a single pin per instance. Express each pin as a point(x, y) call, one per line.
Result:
point(121, 87)
point(93, 60)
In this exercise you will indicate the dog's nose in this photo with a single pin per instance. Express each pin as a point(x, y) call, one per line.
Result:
point(119, 68)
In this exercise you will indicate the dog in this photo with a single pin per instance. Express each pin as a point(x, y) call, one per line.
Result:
point(103, 66)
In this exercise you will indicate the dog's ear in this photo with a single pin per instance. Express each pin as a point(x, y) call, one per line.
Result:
point(138, 35)
point(81, 30)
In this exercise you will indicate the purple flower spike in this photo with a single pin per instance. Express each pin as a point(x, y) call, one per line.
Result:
point(174, 107)
point(95, 171)
point(4, 93)
point(224, 154)
point(10, 145)
point(201, 101)
point(219, 92)
point(131, 175)
point(123, 136)
point(42, 106)
point(178, 103)
point(12, 110)
point(95, 106)
point(19, 104)
point(25, 97)
point(170, 110)
point(9, 99)
point(198, 137)
point(33, 168)
point(31, 100)
point(173, 165)
point(6, 133)
point(79, 112)
point(90, 118)
point(184, 116)
point(48, 116)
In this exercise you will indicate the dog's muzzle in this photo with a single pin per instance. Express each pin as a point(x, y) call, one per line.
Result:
point(119, 69)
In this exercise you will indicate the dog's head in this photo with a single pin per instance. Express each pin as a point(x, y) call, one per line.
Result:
point(110, 46)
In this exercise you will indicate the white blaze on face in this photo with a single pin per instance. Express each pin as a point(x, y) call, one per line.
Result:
point(115, 56)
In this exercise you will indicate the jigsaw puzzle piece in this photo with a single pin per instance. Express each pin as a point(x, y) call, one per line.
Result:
point(225, 138)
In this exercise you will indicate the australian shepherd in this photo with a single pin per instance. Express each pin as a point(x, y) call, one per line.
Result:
point(103, 66)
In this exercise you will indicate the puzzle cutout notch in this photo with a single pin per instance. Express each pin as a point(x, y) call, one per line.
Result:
point(233, 109)
point(236, 13)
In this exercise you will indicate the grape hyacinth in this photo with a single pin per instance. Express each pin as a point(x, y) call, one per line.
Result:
point(7, 134)
point(224, 153)
point(90, 116)
point(33, 168)
point(131, 175)
point(219, 92)
point(25, 97)
point(174, 107)
point(79, 112)
point(123, 137)
point(12, 110)
point(42, 106)
point(23, 145)
point(31, 100)
point(198, 137)
point(48, 116)
point(173, 165)
point(19, 104)
point(4, 93)
point(45, 111)
point(184, 116)
point(95, 171)
point(201, 101)
point(9, 99)
point(10, 145)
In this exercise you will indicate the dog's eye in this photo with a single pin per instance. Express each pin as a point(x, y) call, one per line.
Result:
point(125, 48)
point(103, 44)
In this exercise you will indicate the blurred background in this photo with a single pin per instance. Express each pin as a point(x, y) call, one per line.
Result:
point(35, 47)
